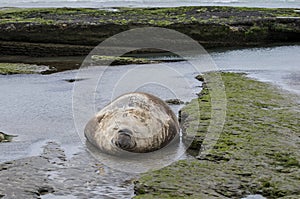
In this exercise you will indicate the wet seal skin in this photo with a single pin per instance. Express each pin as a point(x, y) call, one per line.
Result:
point(134, 122)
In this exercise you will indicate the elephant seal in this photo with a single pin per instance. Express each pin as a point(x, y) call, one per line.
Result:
point(135, 122)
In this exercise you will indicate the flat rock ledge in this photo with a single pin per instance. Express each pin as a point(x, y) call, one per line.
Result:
point(256, 153)
point(52, 174)
point(40, 32)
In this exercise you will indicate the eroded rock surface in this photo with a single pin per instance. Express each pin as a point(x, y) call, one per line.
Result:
point(54, 174)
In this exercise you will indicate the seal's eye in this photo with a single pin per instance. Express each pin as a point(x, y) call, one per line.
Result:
point(125, 131)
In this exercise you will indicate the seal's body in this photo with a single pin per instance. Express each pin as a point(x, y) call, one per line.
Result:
point(134, 122)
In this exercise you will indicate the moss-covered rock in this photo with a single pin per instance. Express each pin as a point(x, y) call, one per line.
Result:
point(19, 68)
point(84, 28)
point(104, 60)
point(257, 152)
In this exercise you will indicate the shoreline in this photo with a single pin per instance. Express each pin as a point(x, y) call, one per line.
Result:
point(257, 152)
point(64, 63)
point(150, 3)
point(75, 31)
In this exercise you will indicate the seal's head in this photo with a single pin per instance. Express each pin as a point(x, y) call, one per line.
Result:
point(135, 122)
point(124, 140)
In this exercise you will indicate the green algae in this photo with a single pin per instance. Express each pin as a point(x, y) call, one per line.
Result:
point(19, 68)
point(159, 16)
point(151, 16)
point(210, 26)
point(257, 152)
point(256, 32)
point(112, 60)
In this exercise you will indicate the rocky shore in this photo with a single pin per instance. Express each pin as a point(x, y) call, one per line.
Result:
point(54, 174)
point(20, 68)
point(257, 152)
point(47, 32)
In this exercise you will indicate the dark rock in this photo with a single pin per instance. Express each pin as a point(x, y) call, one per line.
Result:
point(74, 80)
point(5, 137)
point(214, 157)
point(43, 190)
point(200, 78)
point(174, 101)
point(73, 32)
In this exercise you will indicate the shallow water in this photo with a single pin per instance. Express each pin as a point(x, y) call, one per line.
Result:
point(39, 108)
point(150, 3)
point(277, 65)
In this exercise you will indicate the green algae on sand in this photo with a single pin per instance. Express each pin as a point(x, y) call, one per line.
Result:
point(257, 152)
